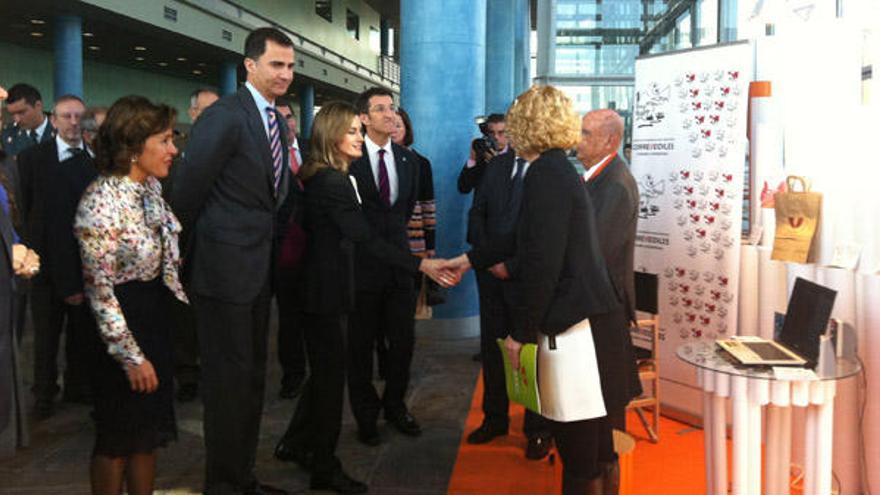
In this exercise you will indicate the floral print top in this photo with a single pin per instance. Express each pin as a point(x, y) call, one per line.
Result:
point(126, 232)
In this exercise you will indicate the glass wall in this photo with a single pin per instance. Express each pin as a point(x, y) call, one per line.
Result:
point(598, 37)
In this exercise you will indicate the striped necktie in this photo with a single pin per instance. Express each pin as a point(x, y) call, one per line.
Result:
point(275, 147)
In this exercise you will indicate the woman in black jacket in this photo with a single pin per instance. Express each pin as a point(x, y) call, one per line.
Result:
point(334, 223)
point(558, 269)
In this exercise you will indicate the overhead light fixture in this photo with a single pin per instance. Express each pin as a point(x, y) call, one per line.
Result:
point(181, 59)
point(140, 48)
point(37, 34)
point(162, 64)
point(202, 64)
point(197, 72)
point(94, 48)
point(88, 34)
point(139, 59)
point(38, 22)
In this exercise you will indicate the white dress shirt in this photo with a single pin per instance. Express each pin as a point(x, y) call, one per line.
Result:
point(262, 103)
point(65, 150)
point(41, 129)
point(525, 167)
point(592, 170)
point(373, 153)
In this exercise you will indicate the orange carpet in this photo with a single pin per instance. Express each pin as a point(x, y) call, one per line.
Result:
point(672, 466)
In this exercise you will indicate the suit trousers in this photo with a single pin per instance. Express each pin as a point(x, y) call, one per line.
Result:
point(617, 364)
point(317, 421)
point(186, 343)
point(232, 342)
point(495, 323)
point(291, 347)
point(583, 445)
point(51, 317)
point(392, 309)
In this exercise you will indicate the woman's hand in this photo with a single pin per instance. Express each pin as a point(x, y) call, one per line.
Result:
point(435, 268)
point(142, 377)
point(513, 348)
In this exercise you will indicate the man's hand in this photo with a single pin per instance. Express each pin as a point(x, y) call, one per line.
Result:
point(458, 265)
point(436, 269)
point(75, 300)
point(142, 377)
point(25, 262)
point(499, 271)
point(513, 348)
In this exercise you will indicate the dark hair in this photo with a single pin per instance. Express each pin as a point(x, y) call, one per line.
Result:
point(255, 43)
point(130, 121)
point(284, 102)
point(407, 124)
point(495, 118)
point(331, 124)
point(362, 103)
point(194, 96)
point(24, 91)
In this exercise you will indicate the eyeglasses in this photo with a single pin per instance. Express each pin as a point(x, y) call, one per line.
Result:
point(69, 115)
point(383, 108)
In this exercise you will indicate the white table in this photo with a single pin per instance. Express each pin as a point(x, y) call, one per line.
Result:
point(750, 389)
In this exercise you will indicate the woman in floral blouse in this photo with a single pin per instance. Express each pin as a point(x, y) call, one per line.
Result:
point(128, 242)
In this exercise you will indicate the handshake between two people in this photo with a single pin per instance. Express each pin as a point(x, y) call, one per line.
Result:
point(448, 272)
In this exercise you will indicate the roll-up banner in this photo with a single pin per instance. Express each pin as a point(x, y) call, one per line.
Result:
point(689, 149)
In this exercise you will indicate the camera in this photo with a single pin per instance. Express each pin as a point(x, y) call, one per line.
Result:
point(486, 143)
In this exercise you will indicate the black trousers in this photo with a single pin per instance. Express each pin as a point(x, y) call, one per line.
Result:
point(291, 348)
point(232, 342)
point(583, 445)
point(393, 310)
point(186, 343)
point(51, 317)
point(317, 420)
point(495, 323)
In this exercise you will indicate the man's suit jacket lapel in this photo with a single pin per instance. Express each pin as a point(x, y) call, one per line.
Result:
point(255, 124)
point(49, 133)
point(405, 169)
point(609, 171)
point(363, 173)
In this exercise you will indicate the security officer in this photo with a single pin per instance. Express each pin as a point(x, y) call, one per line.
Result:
point(30, 124)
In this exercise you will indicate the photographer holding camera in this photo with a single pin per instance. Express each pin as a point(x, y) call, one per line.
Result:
point(493, 142)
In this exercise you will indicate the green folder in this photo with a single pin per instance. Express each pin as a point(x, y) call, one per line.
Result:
point(522, 384)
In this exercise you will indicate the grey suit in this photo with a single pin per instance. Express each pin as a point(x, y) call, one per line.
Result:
point(226, 200)
point(615, 197)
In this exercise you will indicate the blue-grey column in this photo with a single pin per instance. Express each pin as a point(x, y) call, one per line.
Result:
point(228, 78)
point(306, 110)
point(68, 51)
point(522, 54)
point(443, 58)
point(500, 51)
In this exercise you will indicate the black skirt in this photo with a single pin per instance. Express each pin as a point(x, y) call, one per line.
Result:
point(128, 422)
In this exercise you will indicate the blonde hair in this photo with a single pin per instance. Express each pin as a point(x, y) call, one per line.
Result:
point(542, 118)
point(331, 124)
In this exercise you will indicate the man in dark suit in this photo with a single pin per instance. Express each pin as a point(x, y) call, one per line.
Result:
point(186, 342)
point(291, 344)
point(30, 124)
point(52, 177)
point(230, 186)
point(493, 219)
point(615, 197)
point(388, 182)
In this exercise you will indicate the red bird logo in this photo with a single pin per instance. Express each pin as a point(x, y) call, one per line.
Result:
point(685, 174)
point(705, 320)
point(695, 92)
point(723, 280)
point(725, 91)
point(716, 294)
point(679, 272)
point(714, 206)
point(700, 119)
point(689, 190)
point(690, 77)
point(713, 119)
point(709, 219)
point(727, 177)
point(692, 203)
point(697, 105)
point(684, 288)
point(710, 307)
point(719, 105)
point(687, 302)
point(734, 75)
point(695, 218)
point(691, 317)
point(701, 233)
point(707, 133)
point(719, 192)
point(795, 222)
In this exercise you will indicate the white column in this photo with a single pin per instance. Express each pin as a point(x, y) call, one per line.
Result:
point(741, 423)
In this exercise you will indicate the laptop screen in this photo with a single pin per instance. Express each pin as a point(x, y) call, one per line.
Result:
point(806, 318)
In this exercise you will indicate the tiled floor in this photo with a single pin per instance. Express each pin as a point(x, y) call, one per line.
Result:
point(440, 394)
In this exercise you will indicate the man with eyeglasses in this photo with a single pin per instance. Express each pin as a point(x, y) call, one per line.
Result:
point(52, 175)
point(29, 124)
point(385, 300)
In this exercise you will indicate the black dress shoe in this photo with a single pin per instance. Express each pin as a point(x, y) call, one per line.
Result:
point(369, 436)
point(291, 388)
point(485, 433)
point(538, 447)
point(338, 482)
point(405, 423)
point(302, 457)
point(262, 489)
point(187, 392)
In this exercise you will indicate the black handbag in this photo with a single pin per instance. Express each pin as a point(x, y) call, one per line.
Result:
point(434, 294)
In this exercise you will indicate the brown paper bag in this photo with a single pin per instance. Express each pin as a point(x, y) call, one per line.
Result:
point(797, 216)
point(423, 311)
